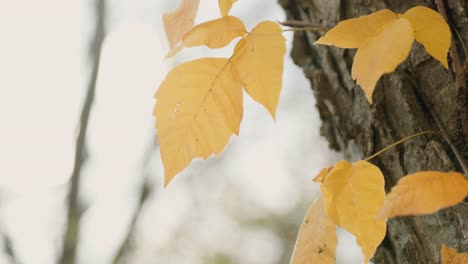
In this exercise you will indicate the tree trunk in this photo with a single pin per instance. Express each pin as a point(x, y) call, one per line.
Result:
point(420, 95)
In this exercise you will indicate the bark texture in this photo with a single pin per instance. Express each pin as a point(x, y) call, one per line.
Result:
point(420, 95)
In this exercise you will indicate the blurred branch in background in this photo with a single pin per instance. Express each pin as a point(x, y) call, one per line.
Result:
point(8, 248)
point(127, 243)
point(145, 192)
point(75, 210)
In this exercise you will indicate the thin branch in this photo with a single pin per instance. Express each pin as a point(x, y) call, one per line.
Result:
point(313, 29)
point(399, 142)
point(129, 238)
point(8, 248)
point(75, 211)
point(145, 192)
point(299, 24)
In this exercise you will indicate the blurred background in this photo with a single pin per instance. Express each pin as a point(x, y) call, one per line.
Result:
point(81, 179)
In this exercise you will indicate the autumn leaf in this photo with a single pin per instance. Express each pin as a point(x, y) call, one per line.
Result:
point(214, 34)
point(180, 21)
point(355, 32)
point(258, 59)
point(451, 256)
point(384, 40)
point(424, 192)
point(382, 54)
point(316, 241)
point(196, 114)
point(353, 195)
point(431, 30)
point(225, 6)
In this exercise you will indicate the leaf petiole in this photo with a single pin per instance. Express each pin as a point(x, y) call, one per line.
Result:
point(314, 29)
point(399, 142)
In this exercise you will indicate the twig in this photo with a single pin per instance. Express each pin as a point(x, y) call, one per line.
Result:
point(298, 23)
point(8, 248)
point(129, 238)
point(399, 142)
point(314, 29)
point(75, 211)
point(145, 192)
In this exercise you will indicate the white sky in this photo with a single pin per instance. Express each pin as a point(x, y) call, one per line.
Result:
point(264, 172)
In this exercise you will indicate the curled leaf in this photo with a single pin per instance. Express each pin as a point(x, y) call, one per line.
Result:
point(316, 241)
point(424, 192)
point(178, 22)
point(353, 195)
point(214, 34)
point(258, 59)
point(322, 174)
point(197, 114)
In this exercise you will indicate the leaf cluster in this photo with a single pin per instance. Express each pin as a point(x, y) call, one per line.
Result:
point(199, 103)
point(353, 198)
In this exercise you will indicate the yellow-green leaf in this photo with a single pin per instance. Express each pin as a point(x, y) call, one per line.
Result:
point(225, 6)
point(382, 54)
point(451, 256)
point(214, 34)
point(431, 30)
point(198, 108)
point(424, 192)
point(316, 241)
point(178, 22)
point(355, 32)
point(258, 59)
point(353, 195)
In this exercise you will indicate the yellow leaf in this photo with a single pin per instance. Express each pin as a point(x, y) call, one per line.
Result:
point(451, 256)
point(178, 22)
point(424, 192)
point(431, 30)
point(384, 40)
point(198, 108)
point(355, 32)
point(382, 54)
point(316, 241)
point(258, 59)
point(214, 34)
point(353, 195)
point(324, 172)
point(225, 6)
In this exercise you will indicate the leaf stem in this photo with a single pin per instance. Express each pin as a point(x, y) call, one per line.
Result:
point(314, 29)
point(399, 142)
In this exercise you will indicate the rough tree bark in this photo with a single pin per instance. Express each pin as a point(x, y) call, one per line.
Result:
point(420, 95)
